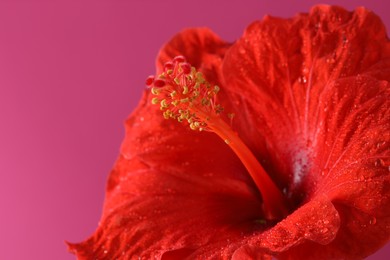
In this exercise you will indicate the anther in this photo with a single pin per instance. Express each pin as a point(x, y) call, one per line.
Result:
point(155, 91)
point(185, 90)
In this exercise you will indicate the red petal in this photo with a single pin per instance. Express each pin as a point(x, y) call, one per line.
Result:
point(201, 47)
point(321, 114)
point(172, 189)
point(316, 221)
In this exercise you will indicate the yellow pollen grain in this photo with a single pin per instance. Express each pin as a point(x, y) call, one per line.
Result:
point(155, 91)
point(163, 104)
point(185, 90)
point(167, 114)
point(192, 126)
point(177, 81)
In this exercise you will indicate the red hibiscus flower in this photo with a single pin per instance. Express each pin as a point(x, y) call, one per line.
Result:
point(302, 169)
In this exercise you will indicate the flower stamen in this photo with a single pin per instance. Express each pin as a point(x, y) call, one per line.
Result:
point(184, 95)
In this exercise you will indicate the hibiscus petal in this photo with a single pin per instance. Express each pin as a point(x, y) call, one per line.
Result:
point(316, 221)
point(322, 80)
point(171, 192)
point(200, 46)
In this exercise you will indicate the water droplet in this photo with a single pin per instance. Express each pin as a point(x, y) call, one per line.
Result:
point(345, 39)
point(171, 191)
point(379, 162)
point(208, 174)
point(126, 156)
point(105, 251)
point(142, 217)
point(330, 60)
point(186, 163)
point(380, 144)
point(242, 50)
point(302, 80)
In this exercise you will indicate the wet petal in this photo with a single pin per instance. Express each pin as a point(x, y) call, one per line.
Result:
point(322, 80)
point(172, 189)
point(200, 46)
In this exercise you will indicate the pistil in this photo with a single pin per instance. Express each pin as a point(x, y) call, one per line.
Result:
point(184, 95)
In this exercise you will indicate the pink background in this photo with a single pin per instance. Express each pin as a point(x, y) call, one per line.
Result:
point(70, 73)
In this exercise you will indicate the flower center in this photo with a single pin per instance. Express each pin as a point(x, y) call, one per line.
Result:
point(184, 95)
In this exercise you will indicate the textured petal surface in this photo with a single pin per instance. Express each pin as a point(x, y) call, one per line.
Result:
point(172, 190)
point(322, 114)
point(311, 98)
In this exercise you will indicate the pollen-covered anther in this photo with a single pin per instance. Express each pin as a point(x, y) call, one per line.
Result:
point(164, 104)
point(155, 91)
point(185, 90)
point(180, 87)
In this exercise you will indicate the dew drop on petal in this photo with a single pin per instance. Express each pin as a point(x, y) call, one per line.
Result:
point(302, 80)
point(379, 162)
point(380, 144)
point(242, 50)
point(171, 191)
